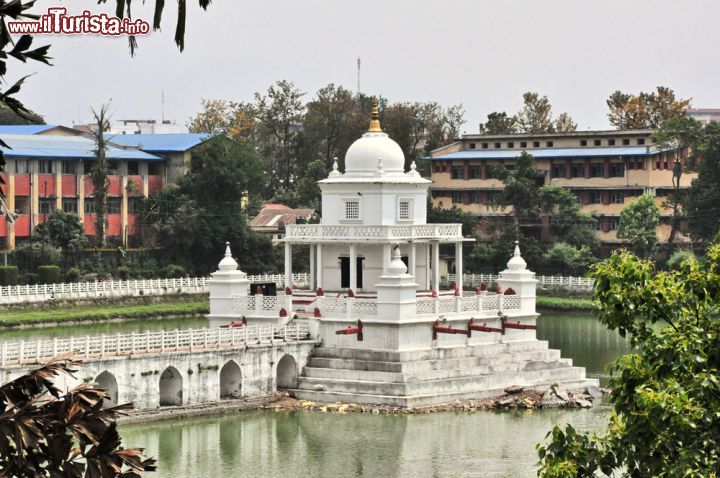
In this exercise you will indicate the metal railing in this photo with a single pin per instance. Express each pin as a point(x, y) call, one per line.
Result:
point(33, 352)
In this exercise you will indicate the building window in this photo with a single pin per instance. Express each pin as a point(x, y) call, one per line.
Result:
point(404, 210)
point(549, 144)
point(598, 142)
point(45, 166)
point(474, 172)
point(443, 169)
point(511, 145)
point(597, 225)
point(626, 142)
point(472, 145)
point(596, 197)
point(536, 144)
point(70, 205)
point(133, 168)
point(484, 146)
point(611, 142)
point(47, 205)
point(352, 210)
point(583, 142)
point(22, 166)
point(558, 170)
point(136, 205)
point(613, 223)
point(90, 205)
point(458, 172)
point(457, 197)
point(69, 167)
point(596, 170)
point(617, 170)
point(578, 170)
point(153, 169)
point(617, 197)
point(113, 205)
point(498, 145)
point(641, 141)
point(523, 144)
point(475, 197)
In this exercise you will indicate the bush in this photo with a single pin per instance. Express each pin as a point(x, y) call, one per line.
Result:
point(8, 275)
point(49, 274)
point(31, 278)
point(173, 271)
point(72, 274)
point(677, 258)
point(123, 272)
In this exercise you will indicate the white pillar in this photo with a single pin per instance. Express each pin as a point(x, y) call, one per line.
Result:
point(318, 266)
point(412, 261)
point(459, 266)
point(386, 257)
point(427, 267)
point(312, 284)
point(288, 265)
point(436, 265)
point(353, 267)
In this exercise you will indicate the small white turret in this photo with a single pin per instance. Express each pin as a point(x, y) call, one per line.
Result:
point(520, 281)
point(227, 263)
point(227, 283)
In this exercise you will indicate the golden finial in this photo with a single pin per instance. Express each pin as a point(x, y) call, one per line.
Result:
point(375, 118)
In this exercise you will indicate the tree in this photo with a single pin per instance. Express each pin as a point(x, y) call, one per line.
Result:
point(679, 134)
point(567, 221)
point(234, 120)
point(567, 259)
point(99, 170)
point(638, 223)
point(535, 115)
point(666, 394)
point(45, 432)
point(645, 110)
point(499, 123)
point(521, 191)
point(702, 206)
point(8, 116)
point(564, 124)
point(279, 115)
point(192, 221)
point(63, 230)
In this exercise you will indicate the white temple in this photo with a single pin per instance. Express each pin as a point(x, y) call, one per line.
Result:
point(388, 334)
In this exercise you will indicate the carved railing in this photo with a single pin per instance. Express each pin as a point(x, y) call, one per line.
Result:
point(341, 232)
point(23, 352)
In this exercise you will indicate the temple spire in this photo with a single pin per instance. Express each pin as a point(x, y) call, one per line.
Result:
point(375, 118)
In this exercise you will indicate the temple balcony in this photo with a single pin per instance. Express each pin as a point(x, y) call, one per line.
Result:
point(312, 233)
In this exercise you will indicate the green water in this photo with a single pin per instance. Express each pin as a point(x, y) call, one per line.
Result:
point(300, 444)
point(112, 328)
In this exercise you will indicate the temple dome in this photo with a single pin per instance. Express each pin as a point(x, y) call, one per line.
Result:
point(375, 152)
point(364, 155)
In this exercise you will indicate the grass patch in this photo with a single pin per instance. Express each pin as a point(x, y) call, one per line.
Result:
point(96, 313)
point(564, 303)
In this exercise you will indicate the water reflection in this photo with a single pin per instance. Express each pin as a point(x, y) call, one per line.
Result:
point(318, 444)
point(584, 339)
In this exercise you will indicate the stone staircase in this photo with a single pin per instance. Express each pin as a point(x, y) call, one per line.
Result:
point(435, 376)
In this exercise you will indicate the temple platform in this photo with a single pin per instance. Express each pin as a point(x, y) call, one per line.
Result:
point(420, 378)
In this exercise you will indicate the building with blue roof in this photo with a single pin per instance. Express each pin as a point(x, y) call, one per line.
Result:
point(605, 169)
point(47, 167)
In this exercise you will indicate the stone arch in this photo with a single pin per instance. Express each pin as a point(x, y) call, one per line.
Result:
point(171, 387)
point(286, 372)
point(230, 380)
point(108, 382)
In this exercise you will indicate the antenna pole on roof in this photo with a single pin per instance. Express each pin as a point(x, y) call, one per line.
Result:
point(162, 94)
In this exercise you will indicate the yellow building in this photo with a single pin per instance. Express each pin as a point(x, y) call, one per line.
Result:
point(605, 169)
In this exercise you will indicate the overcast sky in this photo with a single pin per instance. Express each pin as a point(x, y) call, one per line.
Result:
point(483, 54)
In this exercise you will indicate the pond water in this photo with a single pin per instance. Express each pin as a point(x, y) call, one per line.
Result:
point(290, 444)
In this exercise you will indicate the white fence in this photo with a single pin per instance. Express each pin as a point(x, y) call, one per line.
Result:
point(14, 353)
point(124, 288)
point(545, 282)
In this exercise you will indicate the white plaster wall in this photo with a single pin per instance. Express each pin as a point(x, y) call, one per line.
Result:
point(138, 377)
point(378, 202)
